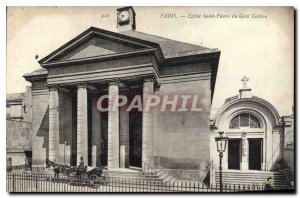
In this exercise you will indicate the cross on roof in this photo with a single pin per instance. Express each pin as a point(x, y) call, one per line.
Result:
point(245, 79)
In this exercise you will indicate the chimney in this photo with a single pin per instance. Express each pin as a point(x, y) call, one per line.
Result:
point(125, 19)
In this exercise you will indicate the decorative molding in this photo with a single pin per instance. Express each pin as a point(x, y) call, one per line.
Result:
point(53, 87)
point(97, 58)
point(244, 102)
point(83, 85)
point(112, 82)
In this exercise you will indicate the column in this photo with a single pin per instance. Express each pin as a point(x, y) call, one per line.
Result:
point(147, 128)
point(245, 152)
point(124, 137)
point(113, 127)
point(62, 126)
point(96, 133)
point(82, 123)
point(53, 123)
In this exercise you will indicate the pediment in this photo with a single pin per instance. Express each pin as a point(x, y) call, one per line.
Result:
point(95, 42)
point(97, 47)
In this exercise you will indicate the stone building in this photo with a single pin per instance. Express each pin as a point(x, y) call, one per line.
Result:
point(66, 123)
point(18, 130)
point(257, 136)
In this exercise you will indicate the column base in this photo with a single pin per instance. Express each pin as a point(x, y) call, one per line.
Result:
point(244, 165)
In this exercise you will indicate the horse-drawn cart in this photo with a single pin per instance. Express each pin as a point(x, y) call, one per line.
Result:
point(80, 175)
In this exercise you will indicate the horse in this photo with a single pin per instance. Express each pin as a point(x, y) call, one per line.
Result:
point(59, 168)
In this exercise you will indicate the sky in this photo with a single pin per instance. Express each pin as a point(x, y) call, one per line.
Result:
point(259, 48)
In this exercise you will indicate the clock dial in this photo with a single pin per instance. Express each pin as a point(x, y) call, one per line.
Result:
point(124, 16)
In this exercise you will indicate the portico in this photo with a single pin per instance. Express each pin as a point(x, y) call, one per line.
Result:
point(89, 134)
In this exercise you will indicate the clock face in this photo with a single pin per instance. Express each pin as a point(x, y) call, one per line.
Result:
point(124, 16)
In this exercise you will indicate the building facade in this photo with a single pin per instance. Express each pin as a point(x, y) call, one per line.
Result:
point(257, 134)
point(67, 125)
point(18, 130)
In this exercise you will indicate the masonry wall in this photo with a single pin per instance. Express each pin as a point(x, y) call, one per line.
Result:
point(181, 139)
point(40, 125)
point(18, 132)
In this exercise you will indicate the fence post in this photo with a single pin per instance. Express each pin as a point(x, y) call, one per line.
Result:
point(36, 183)
point(13, 182)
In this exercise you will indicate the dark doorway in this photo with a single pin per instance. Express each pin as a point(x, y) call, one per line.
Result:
point(255, 154)
point(28, 160)
point(104, 138)
point(234, 154)
point(135, 138)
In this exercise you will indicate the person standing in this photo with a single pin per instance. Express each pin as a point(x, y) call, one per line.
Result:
point(268, 185)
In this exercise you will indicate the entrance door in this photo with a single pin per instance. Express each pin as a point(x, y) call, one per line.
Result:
point(255, 154)
point(234, 154)
point(135, 138)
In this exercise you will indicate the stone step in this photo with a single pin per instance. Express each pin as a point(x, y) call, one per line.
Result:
point(252, 178)
point(167, 179)
point(243, 173)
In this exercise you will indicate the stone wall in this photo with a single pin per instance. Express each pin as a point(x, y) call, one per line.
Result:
point(182, 138)
point(18, 135)
point(40, 127)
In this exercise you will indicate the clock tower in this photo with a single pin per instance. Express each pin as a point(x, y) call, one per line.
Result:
point(125, 19)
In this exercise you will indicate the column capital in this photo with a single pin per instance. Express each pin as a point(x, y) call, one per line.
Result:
point(113, 82)
point(52, 87)
point(82, 85)
point(149, 79)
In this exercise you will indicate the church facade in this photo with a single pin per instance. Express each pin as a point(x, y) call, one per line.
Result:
point(70, 112)
point(67, 124)
point(258, 137)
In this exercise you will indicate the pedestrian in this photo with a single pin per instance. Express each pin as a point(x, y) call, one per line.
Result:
point(56, 170)
point(80, 169)
point(268, 184)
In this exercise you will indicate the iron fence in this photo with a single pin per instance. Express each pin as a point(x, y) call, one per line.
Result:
point(35, 182)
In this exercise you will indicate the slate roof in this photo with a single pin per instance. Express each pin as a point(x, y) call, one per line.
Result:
point(39, 71)
point(170, 48)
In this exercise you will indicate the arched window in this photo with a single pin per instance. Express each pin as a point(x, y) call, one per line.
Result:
point(244, 120)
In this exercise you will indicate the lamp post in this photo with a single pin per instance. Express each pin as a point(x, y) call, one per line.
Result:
point(221, 147)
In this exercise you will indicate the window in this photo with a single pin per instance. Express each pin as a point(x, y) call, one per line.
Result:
point(244, 120)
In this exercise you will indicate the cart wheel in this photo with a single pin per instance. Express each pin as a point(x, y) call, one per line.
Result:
point(72, 179)
point(104, 178)
point(94, 179)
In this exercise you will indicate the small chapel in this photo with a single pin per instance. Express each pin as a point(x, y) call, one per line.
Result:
point(258, 140)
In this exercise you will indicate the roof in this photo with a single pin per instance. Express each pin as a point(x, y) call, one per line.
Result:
point(170, 48)
point(39, 71)
point(14, 96)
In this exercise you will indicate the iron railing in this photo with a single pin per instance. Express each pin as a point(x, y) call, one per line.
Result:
point(31, 182)
point(148, 170)
point(277, 152)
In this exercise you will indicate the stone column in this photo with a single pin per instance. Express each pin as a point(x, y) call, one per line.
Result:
point(124, 136)
point(53, 123)
point(245, 152)
point(96, 133)
point(147, 130)
point(82, 123)
point(113, 127)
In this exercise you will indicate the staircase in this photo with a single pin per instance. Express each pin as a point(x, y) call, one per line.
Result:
point(252, 177)
point(133, 175)
point(165, 177)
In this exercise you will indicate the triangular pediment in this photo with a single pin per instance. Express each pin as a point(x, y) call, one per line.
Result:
point(97, 47)
point(96, 42)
